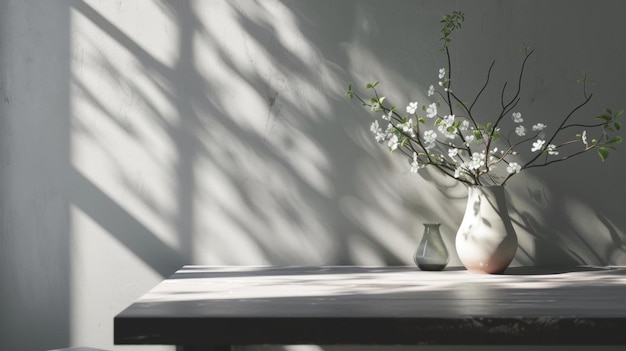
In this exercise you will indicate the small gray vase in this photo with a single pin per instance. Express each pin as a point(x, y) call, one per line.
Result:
point(431, 254)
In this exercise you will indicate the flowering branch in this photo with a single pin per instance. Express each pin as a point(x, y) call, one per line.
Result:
point(460, 146)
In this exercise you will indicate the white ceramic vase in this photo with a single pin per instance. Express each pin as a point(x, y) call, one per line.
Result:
point(486, 241)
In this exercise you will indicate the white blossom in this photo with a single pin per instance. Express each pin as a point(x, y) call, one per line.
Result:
point(520, 130)
point(431, 90)
point(447, 128)
point(407, 127)
point(387, 116)
point(477, 161)
point(464, 125)
point(453, 152)
point(431, 110)
point(517, 117)
point(378, 132)
point(375, 107)
point(513, 167)
point(389, 131)
point(411, 108)
point(537, 145)
point(584, 138)
point(552, 150)
point(375, 128)
point(442, 73)
point(414, 164)
point(539, 126)
point(393, 142)
point(429, 139)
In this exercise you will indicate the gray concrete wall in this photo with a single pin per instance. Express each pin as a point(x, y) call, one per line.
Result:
point(139, 136)
point(35, 256)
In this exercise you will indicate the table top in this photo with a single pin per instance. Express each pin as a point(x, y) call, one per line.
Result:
point(379, 305)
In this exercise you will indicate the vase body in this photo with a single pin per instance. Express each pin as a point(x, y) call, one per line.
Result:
point(431, 253)
point(486, 241)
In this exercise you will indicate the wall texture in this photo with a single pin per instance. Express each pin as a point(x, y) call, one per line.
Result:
point(139, 136)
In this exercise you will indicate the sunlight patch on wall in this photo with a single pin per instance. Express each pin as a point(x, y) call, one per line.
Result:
point(97, 292)
point(264, 172)
point(121, 114)
point(261, 219)
point(122, 158)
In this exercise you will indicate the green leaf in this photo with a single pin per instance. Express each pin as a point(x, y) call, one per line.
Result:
point(403, 142)
point(605, 118)
point(478, 135)
point(603, 152)
point(380, 101)
point(349, 94)
point(371, 85)
point(615, 140)
point(617, 125)
point(421, 120)
point(496, 135)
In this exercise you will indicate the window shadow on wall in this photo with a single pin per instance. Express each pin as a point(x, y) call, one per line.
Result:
point(260, 165)
point(269, 163)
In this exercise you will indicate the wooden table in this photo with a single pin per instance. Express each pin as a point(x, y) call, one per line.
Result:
point(211, 308)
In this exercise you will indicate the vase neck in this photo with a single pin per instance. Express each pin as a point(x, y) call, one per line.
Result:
point(488, 197)
point(487, 190)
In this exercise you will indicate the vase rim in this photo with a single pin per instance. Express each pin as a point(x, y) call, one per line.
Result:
point(432, 223)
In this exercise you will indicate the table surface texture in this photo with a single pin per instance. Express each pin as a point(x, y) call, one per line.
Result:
point(379, 305)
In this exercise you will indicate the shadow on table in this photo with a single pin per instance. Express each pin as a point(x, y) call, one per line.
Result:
point(191, 272)
point(554, 270)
